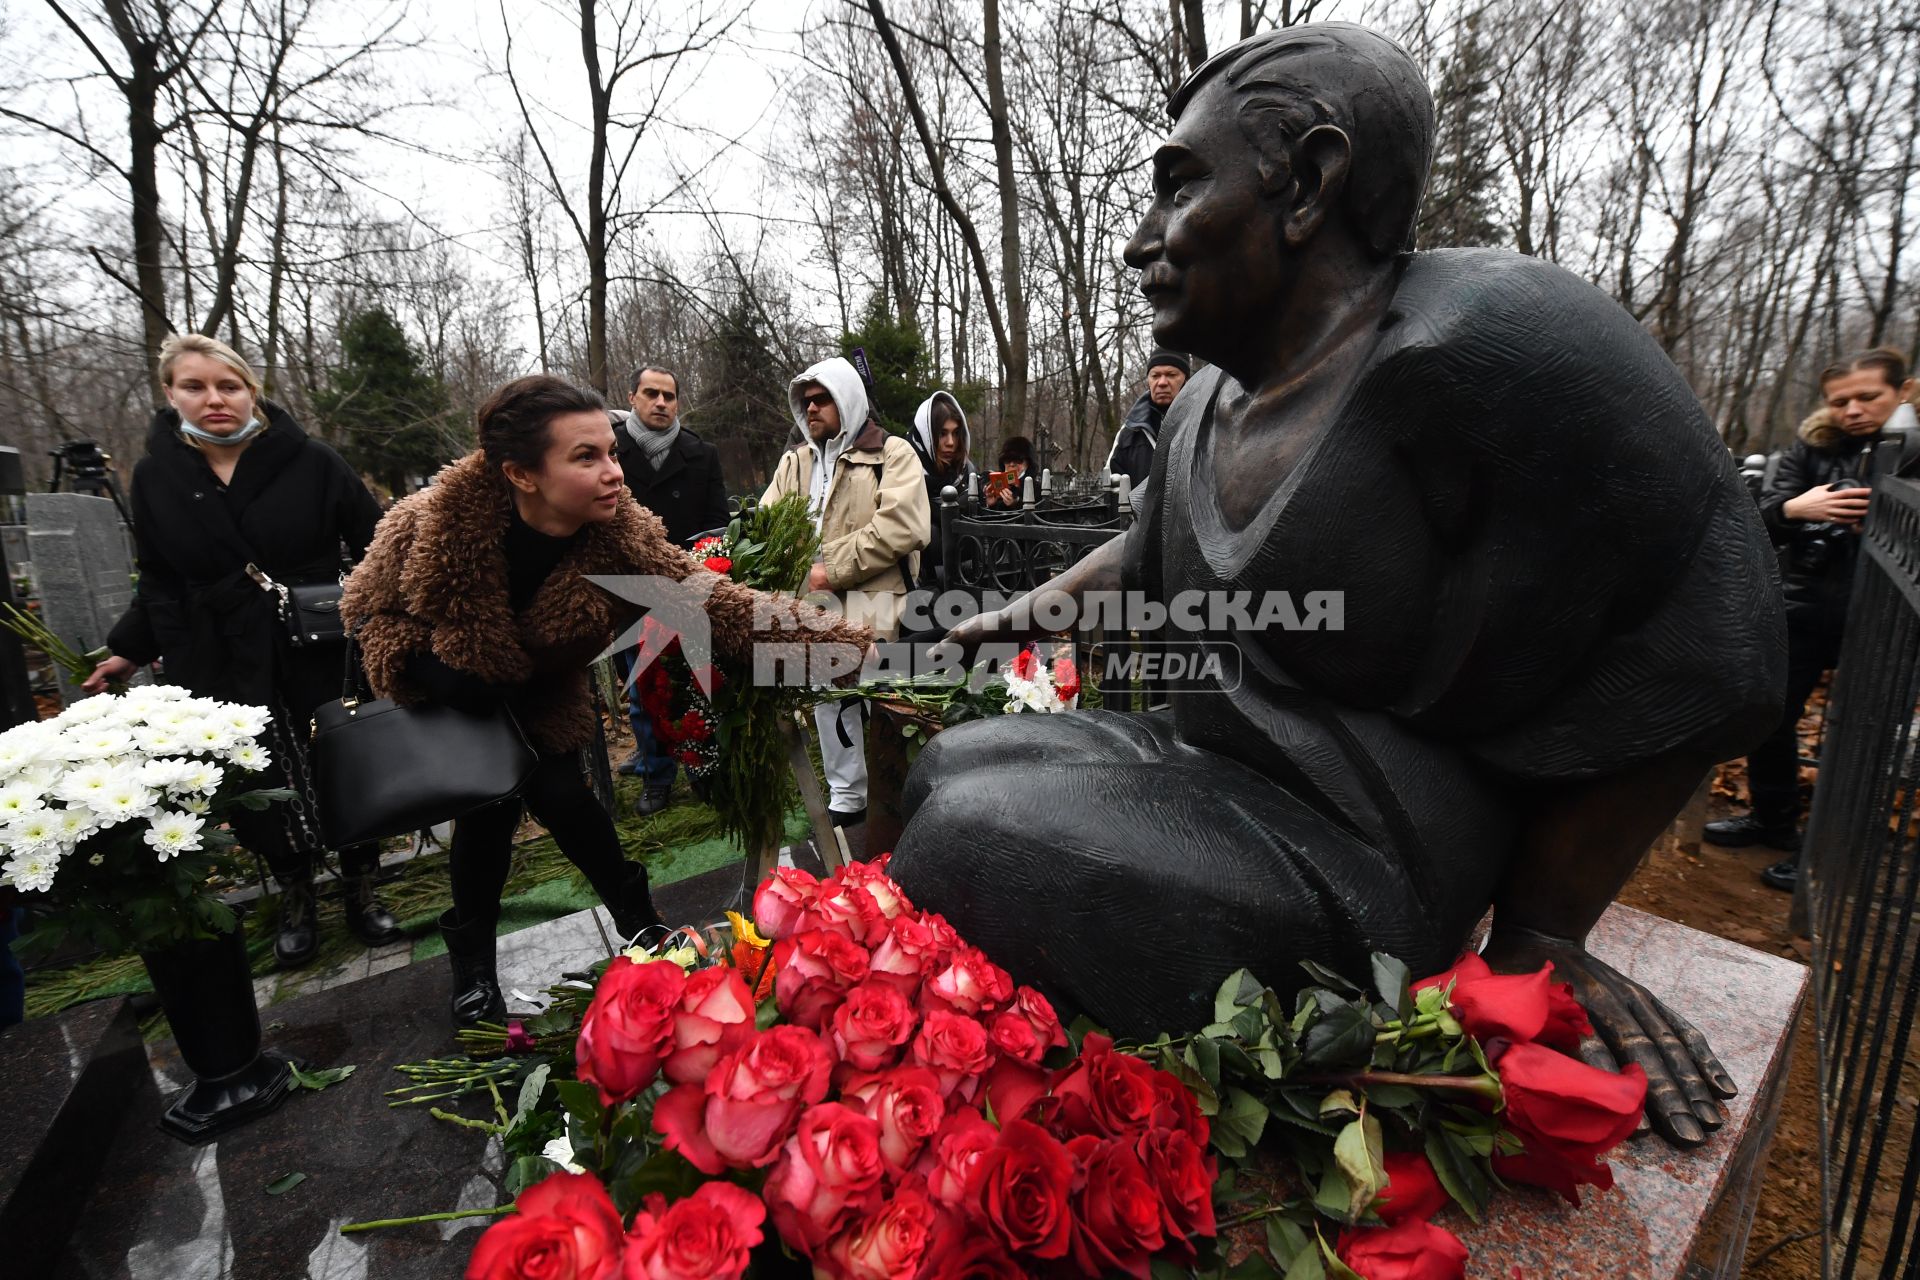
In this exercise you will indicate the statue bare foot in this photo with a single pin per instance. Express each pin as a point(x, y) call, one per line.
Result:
point(1684, 1079)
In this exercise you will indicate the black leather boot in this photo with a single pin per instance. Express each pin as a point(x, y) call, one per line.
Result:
point(1748, 828)
point(476, 983)
point(299, 935)
point(367, 917)
point(631, 905)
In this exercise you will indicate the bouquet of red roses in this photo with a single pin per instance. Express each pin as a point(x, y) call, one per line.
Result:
point(863, 1090)
point(899, 1108)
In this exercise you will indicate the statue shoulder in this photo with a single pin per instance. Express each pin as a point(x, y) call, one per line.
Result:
point(1495, 302)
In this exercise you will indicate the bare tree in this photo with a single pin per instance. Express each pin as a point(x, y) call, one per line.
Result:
point(625, 45)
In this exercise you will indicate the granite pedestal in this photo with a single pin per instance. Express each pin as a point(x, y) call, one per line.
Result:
point(64, 1085)
point(160, 1209)
point(1672, 1215)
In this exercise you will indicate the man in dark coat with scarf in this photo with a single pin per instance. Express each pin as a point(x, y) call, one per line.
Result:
point(1132, 453)
point(676, 475)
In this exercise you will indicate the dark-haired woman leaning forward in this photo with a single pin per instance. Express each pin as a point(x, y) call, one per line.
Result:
point(475, 591)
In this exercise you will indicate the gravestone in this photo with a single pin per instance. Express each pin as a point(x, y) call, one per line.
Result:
point(16, 692)
point(81, 568)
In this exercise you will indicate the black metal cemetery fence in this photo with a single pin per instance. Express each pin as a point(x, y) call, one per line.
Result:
point(1006, 551)
point(1860, 887)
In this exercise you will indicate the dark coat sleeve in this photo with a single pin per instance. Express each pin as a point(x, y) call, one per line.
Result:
point(1791, 479)
point(1133, 456)
point(356, 511)
point(133, 637)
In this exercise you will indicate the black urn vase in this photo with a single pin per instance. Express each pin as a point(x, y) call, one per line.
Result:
point(206, 991)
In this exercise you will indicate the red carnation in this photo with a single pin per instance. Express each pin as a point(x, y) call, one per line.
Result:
point(1066, 679)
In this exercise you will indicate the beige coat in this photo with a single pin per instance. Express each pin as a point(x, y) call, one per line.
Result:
point(876, 517)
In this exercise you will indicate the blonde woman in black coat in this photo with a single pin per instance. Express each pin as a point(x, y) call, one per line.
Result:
point(230, 479)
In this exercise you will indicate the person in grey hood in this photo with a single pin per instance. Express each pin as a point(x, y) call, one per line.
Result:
point(865, 489)
point(941, 438)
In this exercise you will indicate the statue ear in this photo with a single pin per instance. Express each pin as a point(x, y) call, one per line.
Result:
point(1322, 158)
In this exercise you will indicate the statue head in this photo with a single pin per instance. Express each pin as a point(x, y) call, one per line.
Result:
point(1313, 139)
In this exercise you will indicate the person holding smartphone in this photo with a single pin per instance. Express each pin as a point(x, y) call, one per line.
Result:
point(1814, 507)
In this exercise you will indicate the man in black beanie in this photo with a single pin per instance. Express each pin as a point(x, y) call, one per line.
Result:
point(1132, 454)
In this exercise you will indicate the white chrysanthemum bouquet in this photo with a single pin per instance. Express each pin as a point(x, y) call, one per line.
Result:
point(109, 812)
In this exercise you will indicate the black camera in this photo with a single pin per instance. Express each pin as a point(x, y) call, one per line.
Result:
point(1816, 545)
point(86, 468)
point(82, 459)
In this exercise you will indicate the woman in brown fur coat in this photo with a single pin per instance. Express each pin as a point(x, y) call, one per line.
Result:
point(475, 591)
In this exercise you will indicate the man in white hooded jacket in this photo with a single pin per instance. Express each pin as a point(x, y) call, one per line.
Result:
point(867, 493)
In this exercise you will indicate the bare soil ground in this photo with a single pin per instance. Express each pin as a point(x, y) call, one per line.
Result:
point(1718, 891)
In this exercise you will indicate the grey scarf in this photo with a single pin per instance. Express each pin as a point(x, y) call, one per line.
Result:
point(654, 445)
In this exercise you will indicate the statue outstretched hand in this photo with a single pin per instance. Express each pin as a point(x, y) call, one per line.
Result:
point(1685, 1081)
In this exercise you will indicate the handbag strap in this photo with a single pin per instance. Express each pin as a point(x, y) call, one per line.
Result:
point(354, 686)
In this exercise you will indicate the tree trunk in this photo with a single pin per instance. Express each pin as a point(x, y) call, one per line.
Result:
point(601, 100)
point(144, 135)
point(1014, 392)
point(1194, 25)
point(277, 267)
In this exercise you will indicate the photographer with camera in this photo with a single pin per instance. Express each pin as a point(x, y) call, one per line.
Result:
point(1814, 507)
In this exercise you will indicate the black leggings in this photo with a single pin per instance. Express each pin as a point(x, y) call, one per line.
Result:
point(558, 796)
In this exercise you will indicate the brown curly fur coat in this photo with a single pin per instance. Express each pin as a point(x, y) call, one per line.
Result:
point(435, 580)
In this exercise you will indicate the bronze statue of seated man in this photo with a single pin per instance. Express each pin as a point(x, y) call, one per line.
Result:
point(1560, 607)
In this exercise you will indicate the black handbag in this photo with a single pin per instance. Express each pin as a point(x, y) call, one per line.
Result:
point(380, 769)
point(310, 612)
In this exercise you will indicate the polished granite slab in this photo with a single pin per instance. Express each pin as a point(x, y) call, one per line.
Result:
point(1683, 1215)
point(63, 1085)
point(163, 1210)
